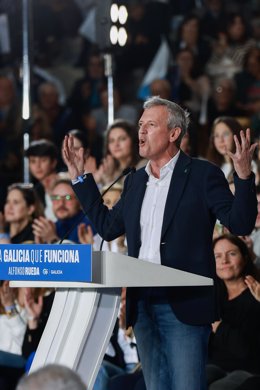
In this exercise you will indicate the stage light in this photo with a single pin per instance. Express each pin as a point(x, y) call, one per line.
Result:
point(110, 13)
point(118, 16)
point(122, 14)
point(114, 35)
point(122, 36)
point(114, 13)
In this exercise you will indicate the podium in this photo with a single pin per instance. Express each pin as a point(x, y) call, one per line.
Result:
point(83, 315)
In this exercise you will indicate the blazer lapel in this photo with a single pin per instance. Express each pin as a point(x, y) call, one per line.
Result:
point(177, 185)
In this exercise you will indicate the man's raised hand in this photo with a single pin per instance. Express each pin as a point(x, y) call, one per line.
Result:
point(243, 156)
point(74, 158)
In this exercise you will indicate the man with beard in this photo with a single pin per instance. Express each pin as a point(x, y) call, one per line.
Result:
point(67, 210)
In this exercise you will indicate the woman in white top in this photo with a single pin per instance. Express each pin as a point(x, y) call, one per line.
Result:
point(13, 319)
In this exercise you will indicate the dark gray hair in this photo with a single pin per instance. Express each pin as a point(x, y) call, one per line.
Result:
point(52, 377)
point(178, 117)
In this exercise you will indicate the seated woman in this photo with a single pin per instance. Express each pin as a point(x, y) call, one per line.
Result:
point(234, 343)
point(15, 314)
point(21, 207)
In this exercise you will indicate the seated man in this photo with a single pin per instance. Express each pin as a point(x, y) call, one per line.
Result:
point(67, 210)
point(43, 159)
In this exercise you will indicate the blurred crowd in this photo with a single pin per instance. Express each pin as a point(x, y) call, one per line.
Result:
point(212, 70)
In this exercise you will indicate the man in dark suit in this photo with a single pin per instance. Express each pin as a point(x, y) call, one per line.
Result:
point(168, 211)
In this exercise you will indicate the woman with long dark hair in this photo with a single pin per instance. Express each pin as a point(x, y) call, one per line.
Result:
point(234, 344)
point(121, 151)
point(222, 141)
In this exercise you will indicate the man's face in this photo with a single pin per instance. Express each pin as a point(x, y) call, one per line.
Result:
point(48, 97)
point(41, 167)
point(64, 202)
point(154, 136)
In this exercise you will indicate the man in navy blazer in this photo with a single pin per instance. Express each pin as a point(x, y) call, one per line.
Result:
point(168, 211)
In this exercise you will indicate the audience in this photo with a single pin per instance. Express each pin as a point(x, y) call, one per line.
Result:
point(59, 117)
point(162, 88)
point(189, 37)
point(86, 90)
point(20, 308)
point(222, 101)
point(230, 48)
point(247, 88)
point(121, 110)
point(13, 318)
point(189, 85)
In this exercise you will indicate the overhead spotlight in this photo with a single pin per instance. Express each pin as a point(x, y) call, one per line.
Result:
point(122, 14)
point(114, 35)
point(122, 36)
point(114, 13)
point(118, 34)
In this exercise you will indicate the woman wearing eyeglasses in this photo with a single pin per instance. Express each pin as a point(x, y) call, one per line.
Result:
point(21, 207)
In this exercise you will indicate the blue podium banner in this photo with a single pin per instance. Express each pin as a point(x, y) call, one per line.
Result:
point(44, 262)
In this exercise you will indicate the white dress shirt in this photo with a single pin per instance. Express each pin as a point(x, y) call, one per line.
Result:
point(152, 211)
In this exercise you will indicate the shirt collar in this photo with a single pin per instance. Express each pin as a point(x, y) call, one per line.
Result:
point(169, 166)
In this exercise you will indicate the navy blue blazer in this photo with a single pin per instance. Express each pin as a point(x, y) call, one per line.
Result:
point(198, 195)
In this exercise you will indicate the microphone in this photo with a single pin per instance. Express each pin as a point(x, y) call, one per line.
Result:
point(125, 172)
point(132, 170)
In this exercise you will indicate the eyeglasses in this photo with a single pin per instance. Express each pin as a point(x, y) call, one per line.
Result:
point(56, 198)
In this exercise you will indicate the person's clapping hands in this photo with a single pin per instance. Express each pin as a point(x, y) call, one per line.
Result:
point(6, 294)
point(33, 307)
point(215, 326)
point(254, 286)
point(85, 234)
point(105, 170)
point(44, 231)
